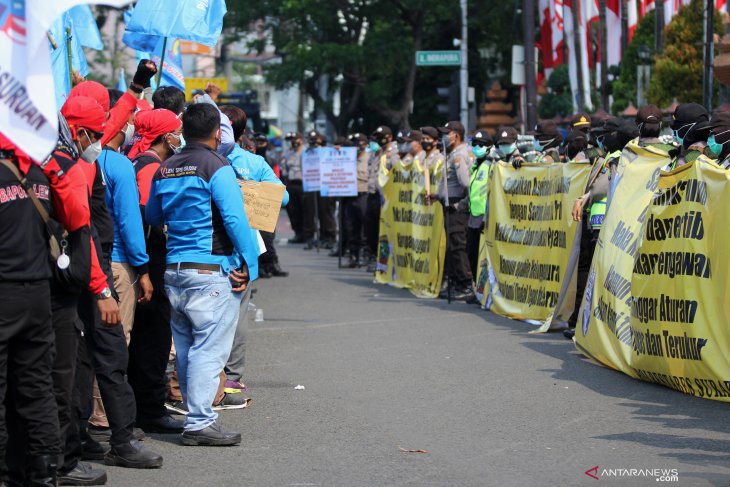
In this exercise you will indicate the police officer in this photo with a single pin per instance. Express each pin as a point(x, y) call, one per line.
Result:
point(383, 154)
point(582, 122)
point(355, 207)
point(547, 141)
point(506, 144)
point(476, 201)
point(413, 139)
point(459, 160)
point(291, 167)
point(323, 210)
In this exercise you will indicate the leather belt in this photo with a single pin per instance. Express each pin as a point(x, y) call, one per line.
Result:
point(193, 265)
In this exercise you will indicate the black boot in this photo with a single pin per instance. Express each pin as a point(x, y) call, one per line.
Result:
point(133, 455)
point(83, 474)
point(354, 262)
point(264, 272)
point(277, 271)
point(42, 471)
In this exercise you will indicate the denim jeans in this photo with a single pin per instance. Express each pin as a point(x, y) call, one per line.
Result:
point(204, 314)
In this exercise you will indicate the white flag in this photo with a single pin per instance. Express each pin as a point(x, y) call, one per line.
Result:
point(28, 112)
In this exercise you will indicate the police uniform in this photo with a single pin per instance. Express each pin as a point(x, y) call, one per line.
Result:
point(459, 161)
point(355, 207)
point(291, 167)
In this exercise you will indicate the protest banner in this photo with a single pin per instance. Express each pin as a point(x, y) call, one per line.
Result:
point(262, 202)
point(529, 240)
point(412, 242)
point(311, 179)
point(658, 304)
point(338, 171)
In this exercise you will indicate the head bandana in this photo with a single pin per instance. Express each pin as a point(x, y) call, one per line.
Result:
point(150, 124)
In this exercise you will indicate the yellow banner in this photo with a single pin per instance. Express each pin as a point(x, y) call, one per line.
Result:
point(192, 84)
point(528, 241)
point(656, 304)
point(412, 242)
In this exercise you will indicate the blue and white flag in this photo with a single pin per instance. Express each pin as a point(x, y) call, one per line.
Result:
point(85, 29)
point(59, 56)
point(122, 83)
point(199, 21)
point(28, 114)
point(172, 71)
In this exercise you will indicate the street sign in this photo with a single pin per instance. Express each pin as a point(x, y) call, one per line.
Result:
point(438, 58)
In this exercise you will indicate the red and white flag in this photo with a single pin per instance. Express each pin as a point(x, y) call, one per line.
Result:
point(28, 114)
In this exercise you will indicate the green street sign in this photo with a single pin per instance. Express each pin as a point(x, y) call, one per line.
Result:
point(438, 58)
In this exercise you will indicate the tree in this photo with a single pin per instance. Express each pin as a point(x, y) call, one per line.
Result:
point(558, 99)
point(624, 88)
point(677, 73)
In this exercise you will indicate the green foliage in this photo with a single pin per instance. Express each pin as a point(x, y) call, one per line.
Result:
point(677, 73)
point(624, 89)
point(558, 100)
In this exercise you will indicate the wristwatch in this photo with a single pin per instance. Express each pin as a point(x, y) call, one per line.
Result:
point(105, 293)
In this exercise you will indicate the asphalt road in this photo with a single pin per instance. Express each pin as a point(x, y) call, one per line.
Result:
point(490, 404)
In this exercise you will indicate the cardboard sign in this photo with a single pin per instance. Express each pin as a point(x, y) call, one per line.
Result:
point(310, 170)
point(338, 171)
point(262, 202)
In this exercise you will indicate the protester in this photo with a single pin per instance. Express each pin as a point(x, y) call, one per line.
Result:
point(717, 143)
point(458, 165)
point(690, 129)
point(214, 262)
point(26, 330)
point(160, 136)
point(105, 344)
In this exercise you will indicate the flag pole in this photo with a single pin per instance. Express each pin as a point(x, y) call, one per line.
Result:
point(162, 61)
point(70, 58)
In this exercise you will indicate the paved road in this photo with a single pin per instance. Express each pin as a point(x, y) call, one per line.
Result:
point(491, 404)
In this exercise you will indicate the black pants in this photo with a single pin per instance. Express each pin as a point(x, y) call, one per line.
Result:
point(473, 235)
point(354, 213)
point(149, 349)
point(80, 407)
point(107, 350)
point(372, 223)
point(28, 414)
point(67, 329)
point(309, 215)
point(588, 239)
point(326, 208)
point(269, 257)
point(457, 261)
point(295, 207)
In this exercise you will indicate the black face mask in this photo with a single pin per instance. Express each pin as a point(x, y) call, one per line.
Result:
point(427, 146)
point(294, 144)
point(261, 151)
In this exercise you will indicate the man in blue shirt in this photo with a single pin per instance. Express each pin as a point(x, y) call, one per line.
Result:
point(209, 245)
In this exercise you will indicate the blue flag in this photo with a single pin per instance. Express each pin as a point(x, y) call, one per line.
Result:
point(172, 71)
point(59, 56)
point(137, 40)
point(85, 28)
point(199, 21)
point(122, 83)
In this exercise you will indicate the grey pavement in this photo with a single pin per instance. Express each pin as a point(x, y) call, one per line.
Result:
point(491, 404)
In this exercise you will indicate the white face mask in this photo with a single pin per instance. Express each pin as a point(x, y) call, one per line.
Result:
point(128, 134)
point(175, 150)
point(92, 152)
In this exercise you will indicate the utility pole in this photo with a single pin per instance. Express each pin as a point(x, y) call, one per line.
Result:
point(464, 71)
point(709, 55)
point(528, 16)
point(659, 27)
point(603, 41)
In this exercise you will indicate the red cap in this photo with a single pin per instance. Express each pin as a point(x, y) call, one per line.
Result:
point(94, 90)
point(150, 124)
point(84, 112)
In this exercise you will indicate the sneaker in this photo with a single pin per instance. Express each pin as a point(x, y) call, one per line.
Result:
point(233, 386)
point(213, 435)
point(463, 293)
point(178, 407)
point(235, 400)
point(133, 455)
point(83, 474)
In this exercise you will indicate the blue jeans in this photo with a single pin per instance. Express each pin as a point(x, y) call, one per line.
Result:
point(204, 313)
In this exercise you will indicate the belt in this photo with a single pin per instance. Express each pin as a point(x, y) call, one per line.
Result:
point(193, 265)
